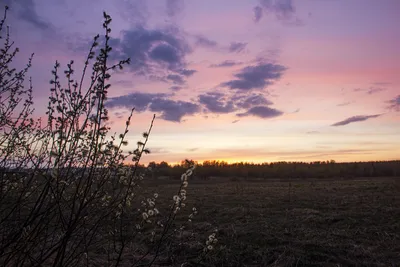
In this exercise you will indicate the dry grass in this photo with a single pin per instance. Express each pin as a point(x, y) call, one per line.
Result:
point(297, 223)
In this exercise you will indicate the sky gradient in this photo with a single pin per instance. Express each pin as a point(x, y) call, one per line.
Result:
point(233, 80)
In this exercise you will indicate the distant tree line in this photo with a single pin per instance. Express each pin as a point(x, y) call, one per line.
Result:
point(317, 169)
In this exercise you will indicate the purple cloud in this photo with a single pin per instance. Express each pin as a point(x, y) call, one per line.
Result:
point(176, 79)
point(139, 101)
point(216, 102)
point(205, 42)
point(262, 112)
point(237, 47)
point(252, 100)
point(151, 49)
point(373, 90)
point(256, 77)
point(164, 52)
point(226, 63)
point(26, 10)
point(355, 119)
point(171, 110)
point(187, 73)
point(174, 7)
point(258, 13)
point(283, 10)
point(395, 103)
point(176, 88)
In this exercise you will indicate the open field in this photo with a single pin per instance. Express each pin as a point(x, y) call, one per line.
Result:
point(297, 223)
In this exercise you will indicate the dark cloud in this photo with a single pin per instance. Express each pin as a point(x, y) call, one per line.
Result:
point(164, 52)
point(133, 11)
point(176, 88)
point(176, 79)
point(171, 110)
point(254, 104)
point(26, 10)
point(29, 14)
point(216, 103)
point(395, 103)
point(174, 7)
point(252, 100)
point(237, 47)
point(313, 132)
point(187, 72)
point(151, 49)
point(235, 121)
point(262, 112)
point(256, 77)
point(355, 119)
point(283, 10)
point(203, 41)
point(258, 12)
point(226, 63)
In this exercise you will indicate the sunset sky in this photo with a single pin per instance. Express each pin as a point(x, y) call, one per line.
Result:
point(234, 80)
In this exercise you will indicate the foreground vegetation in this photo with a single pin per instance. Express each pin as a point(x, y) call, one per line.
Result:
point(66, 196)
point(310, 222)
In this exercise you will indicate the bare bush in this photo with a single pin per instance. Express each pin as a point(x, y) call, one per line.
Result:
point(66, 196)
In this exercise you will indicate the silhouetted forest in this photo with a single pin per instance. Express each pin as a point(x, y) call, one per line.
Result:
point(317, 169)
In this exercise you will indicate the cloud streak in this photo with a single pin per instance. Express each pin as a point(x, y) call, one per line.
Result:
point(355, 119)
point(226, 64)
point(261, 112)
point(344, 104)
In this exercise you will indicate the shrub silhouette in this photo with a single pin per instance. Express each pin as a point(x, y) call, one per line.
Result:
point(67, 198)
